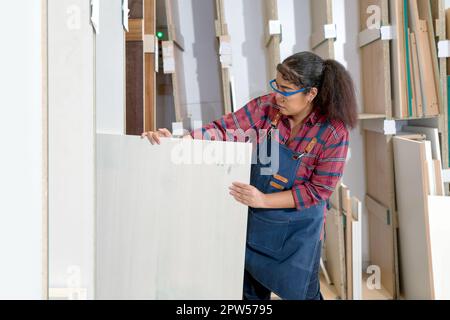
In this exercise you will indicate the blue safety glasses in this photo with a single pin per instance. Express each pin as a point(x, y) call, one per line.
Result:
point(274, 86)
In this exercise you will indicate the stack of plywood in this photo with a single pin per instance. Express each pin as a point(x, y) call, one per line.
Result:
point(424, 222)
point(342, 245)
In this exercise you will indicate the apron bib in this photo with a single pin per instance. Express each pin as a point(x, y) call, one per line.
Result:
point(282, 244)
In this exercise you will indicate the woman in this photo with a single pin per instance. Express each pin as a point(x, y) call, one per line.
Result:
point(308, 118)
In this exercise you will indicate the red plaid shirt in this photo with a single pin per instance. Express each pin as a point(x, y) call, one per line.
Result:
point(320, 170)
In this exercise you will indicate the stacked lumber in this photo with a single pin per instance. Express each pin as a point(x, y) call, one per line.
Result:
point(423, 220)
point(342, 254)
point(415, 61)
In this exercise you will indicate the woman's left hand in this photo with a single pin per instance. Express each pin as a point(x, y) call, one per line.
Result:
point(248, 195)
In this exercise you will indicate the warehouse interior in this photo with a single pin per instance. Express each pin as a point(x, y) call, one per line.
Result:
point(91, 211)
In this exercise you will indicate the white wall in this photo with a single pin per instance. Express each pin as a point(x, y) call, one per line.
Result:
point(21, 166)
point(245, 21)
point(296, 30)
point(201, 62)
point(110, 76)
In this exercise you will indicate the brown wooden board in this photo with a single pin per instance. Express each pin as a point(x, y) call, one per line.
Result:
point(134, 87)
point(375, 63)
point(136, 9)
point(398, 56)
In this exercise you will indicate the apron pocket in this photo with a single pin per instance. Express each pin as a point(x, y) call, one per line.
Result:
point(266, 234)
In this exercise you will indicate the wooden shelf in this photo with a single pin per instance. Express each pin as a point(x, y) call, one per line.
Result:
point(370, 116)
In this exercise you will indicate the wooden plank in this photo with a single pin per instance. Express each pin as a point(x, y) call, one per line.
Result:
point(439, 224)
point(136, 8)
point(416, 271)
point(380, 187)
point(375, 63)
point(134, 50)
point(136, 30)
point(186, 248)
point(134, 87)
point(398, 54)
point(150, 68)
point(225, 72)
point(335, 251)
point(438, 178)
point(357, 249)
point(416, 75)
point(347, 213)
point(71, 145)
point(414, 102)
point(273, 45)
point(421, 29)
point(444, 120)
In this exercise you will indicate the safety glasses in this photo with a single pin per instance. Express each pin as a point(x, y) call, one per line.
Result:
point(274, 86)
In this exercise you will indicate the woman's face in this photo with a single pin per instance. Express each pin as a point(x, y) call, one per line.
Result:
point(296, 104)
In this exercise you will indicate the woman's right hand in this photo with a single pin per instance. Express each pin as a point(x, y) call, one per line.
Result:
point(153, 136)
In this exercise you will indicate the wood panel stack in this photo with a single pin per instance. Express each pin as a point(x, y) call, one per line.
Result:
point(342, 254)
point(423, 217)
point(401, 81)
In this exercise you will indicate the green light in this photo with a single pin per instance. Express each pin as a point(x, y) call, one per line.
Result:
point(160, 35)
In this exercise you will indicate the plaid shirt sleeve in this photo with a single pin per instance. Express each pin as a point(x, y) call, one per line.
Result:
point(326, 174)
point(233, 125)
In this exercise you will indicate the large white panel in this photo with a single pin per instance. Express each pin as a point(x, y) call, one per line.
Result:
point(169, 230)
point(110, 67)
point(21, 167)
point(71, 144)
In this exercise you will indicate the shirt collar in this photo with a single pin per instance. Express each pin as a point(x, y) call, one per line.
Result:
point(311, 120)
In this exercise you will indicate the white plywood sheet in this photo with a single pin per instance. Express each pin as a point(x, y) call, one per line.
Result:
point(165, 229)
point(22, 195)
point(412, 205)
point(110, 71)
point(439, 222)
point(71, 145)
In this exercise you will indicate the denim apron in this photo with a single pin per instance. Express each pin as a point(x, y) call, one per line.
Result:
point(283, 244)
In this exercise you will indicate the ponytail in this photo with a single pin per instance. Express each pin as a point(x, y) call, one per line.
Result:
point(336, 97)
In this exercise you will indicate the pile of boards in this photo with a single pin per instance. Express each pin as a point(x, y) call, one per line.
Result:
point(342, 254)
point(415, 59)
point(423, 215)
